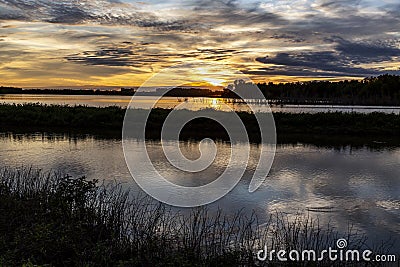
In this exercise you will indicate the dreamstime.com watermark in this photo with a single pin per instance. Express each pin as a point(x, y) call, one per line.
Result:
point(339, 253)
point(144, 171)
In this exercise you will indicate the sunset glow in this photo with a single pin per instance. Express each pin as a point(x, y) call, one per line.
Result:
point(123, 43)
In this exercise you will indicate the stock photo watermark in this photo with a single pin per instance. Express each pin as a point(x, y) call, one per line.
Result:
point(141, 166)
point(339, 253)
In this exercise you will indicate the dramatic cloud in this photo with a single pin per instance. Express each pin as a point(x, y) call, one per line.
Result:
point(339, 62)
point(129, 40)
point(367, 51)
point(142, 55)
point(105, 12)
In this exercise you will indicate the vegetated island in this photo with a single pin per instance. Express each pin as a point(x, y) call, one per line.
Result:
point(383, 90)
point(331, 127)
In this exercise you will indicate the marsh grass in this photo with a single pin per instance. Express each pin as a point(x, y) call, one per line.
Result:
point(109, 120)
point(57, 220)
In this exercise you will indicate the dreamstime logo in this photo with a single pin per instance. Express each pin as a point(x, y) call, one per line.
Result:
point(340, 253)
point(141, 166)
point(341, 243)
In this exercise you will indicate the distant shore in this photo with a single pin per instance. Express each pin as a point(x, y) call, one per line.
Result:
point(108, 121)
point(383, 90)
point(177, 92)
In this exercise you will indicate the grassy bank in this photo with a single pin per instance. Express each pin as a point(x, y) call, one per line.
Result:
point(56, 220)
point(35, 117)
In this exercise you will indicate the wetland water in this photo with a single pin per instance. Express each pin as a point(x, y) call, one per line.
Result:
point(341, 185)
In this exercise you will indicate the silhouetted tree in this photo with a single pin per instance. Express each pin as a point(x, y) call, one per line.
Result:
point(382, 90)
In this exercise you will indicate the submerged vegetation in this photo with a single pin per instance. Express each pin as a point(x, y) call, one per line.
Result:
point(82, 119)
point(57, 220)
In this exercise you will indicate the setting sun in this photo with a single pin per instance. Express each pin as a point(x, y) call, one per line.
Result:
point(214, 81)
point(124, 43)
point(199, 133)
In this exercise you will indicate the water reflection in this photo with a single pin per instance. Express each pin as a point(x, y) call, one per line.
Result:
point(194, 103)
point(360, 186)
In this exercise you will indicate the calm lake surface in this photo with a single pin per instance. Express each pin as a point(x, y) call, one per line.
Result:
point(357, 186)
point(194, 103)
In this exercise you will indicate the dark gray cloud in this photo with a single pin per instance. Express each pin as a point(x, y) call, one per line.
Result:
point(300, 72)
point(340, 62)
point(311, 64)
point(72, 14)
point(213, 54)
point(323, 60)
point(79, 12)
point(128, 54)
point(231, 13)
point(307, 72)
point(293, 37)
point(367, 51)
point(356, 25)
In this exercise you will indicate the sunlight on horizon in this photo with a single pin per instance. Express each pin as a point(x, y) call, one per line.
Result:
point(124, 43)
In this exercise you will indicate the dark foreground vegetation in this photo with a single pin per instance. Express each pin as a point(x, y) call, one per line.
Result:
point(55, 220)
point(296, 127)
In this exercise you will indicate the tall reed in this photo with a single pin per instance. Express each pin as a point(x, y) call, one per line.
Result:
point(63, 221)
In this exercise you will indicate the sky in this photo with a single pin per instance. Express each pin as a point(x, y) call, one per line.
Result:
point(93, 43)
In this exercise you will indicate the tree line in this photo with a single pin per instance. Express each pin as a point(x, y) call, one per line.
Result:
point(381, 90)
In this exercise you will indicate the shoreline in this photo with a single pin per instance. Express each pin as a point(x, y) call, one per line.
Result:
point(331, 127)
point(270, 101)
